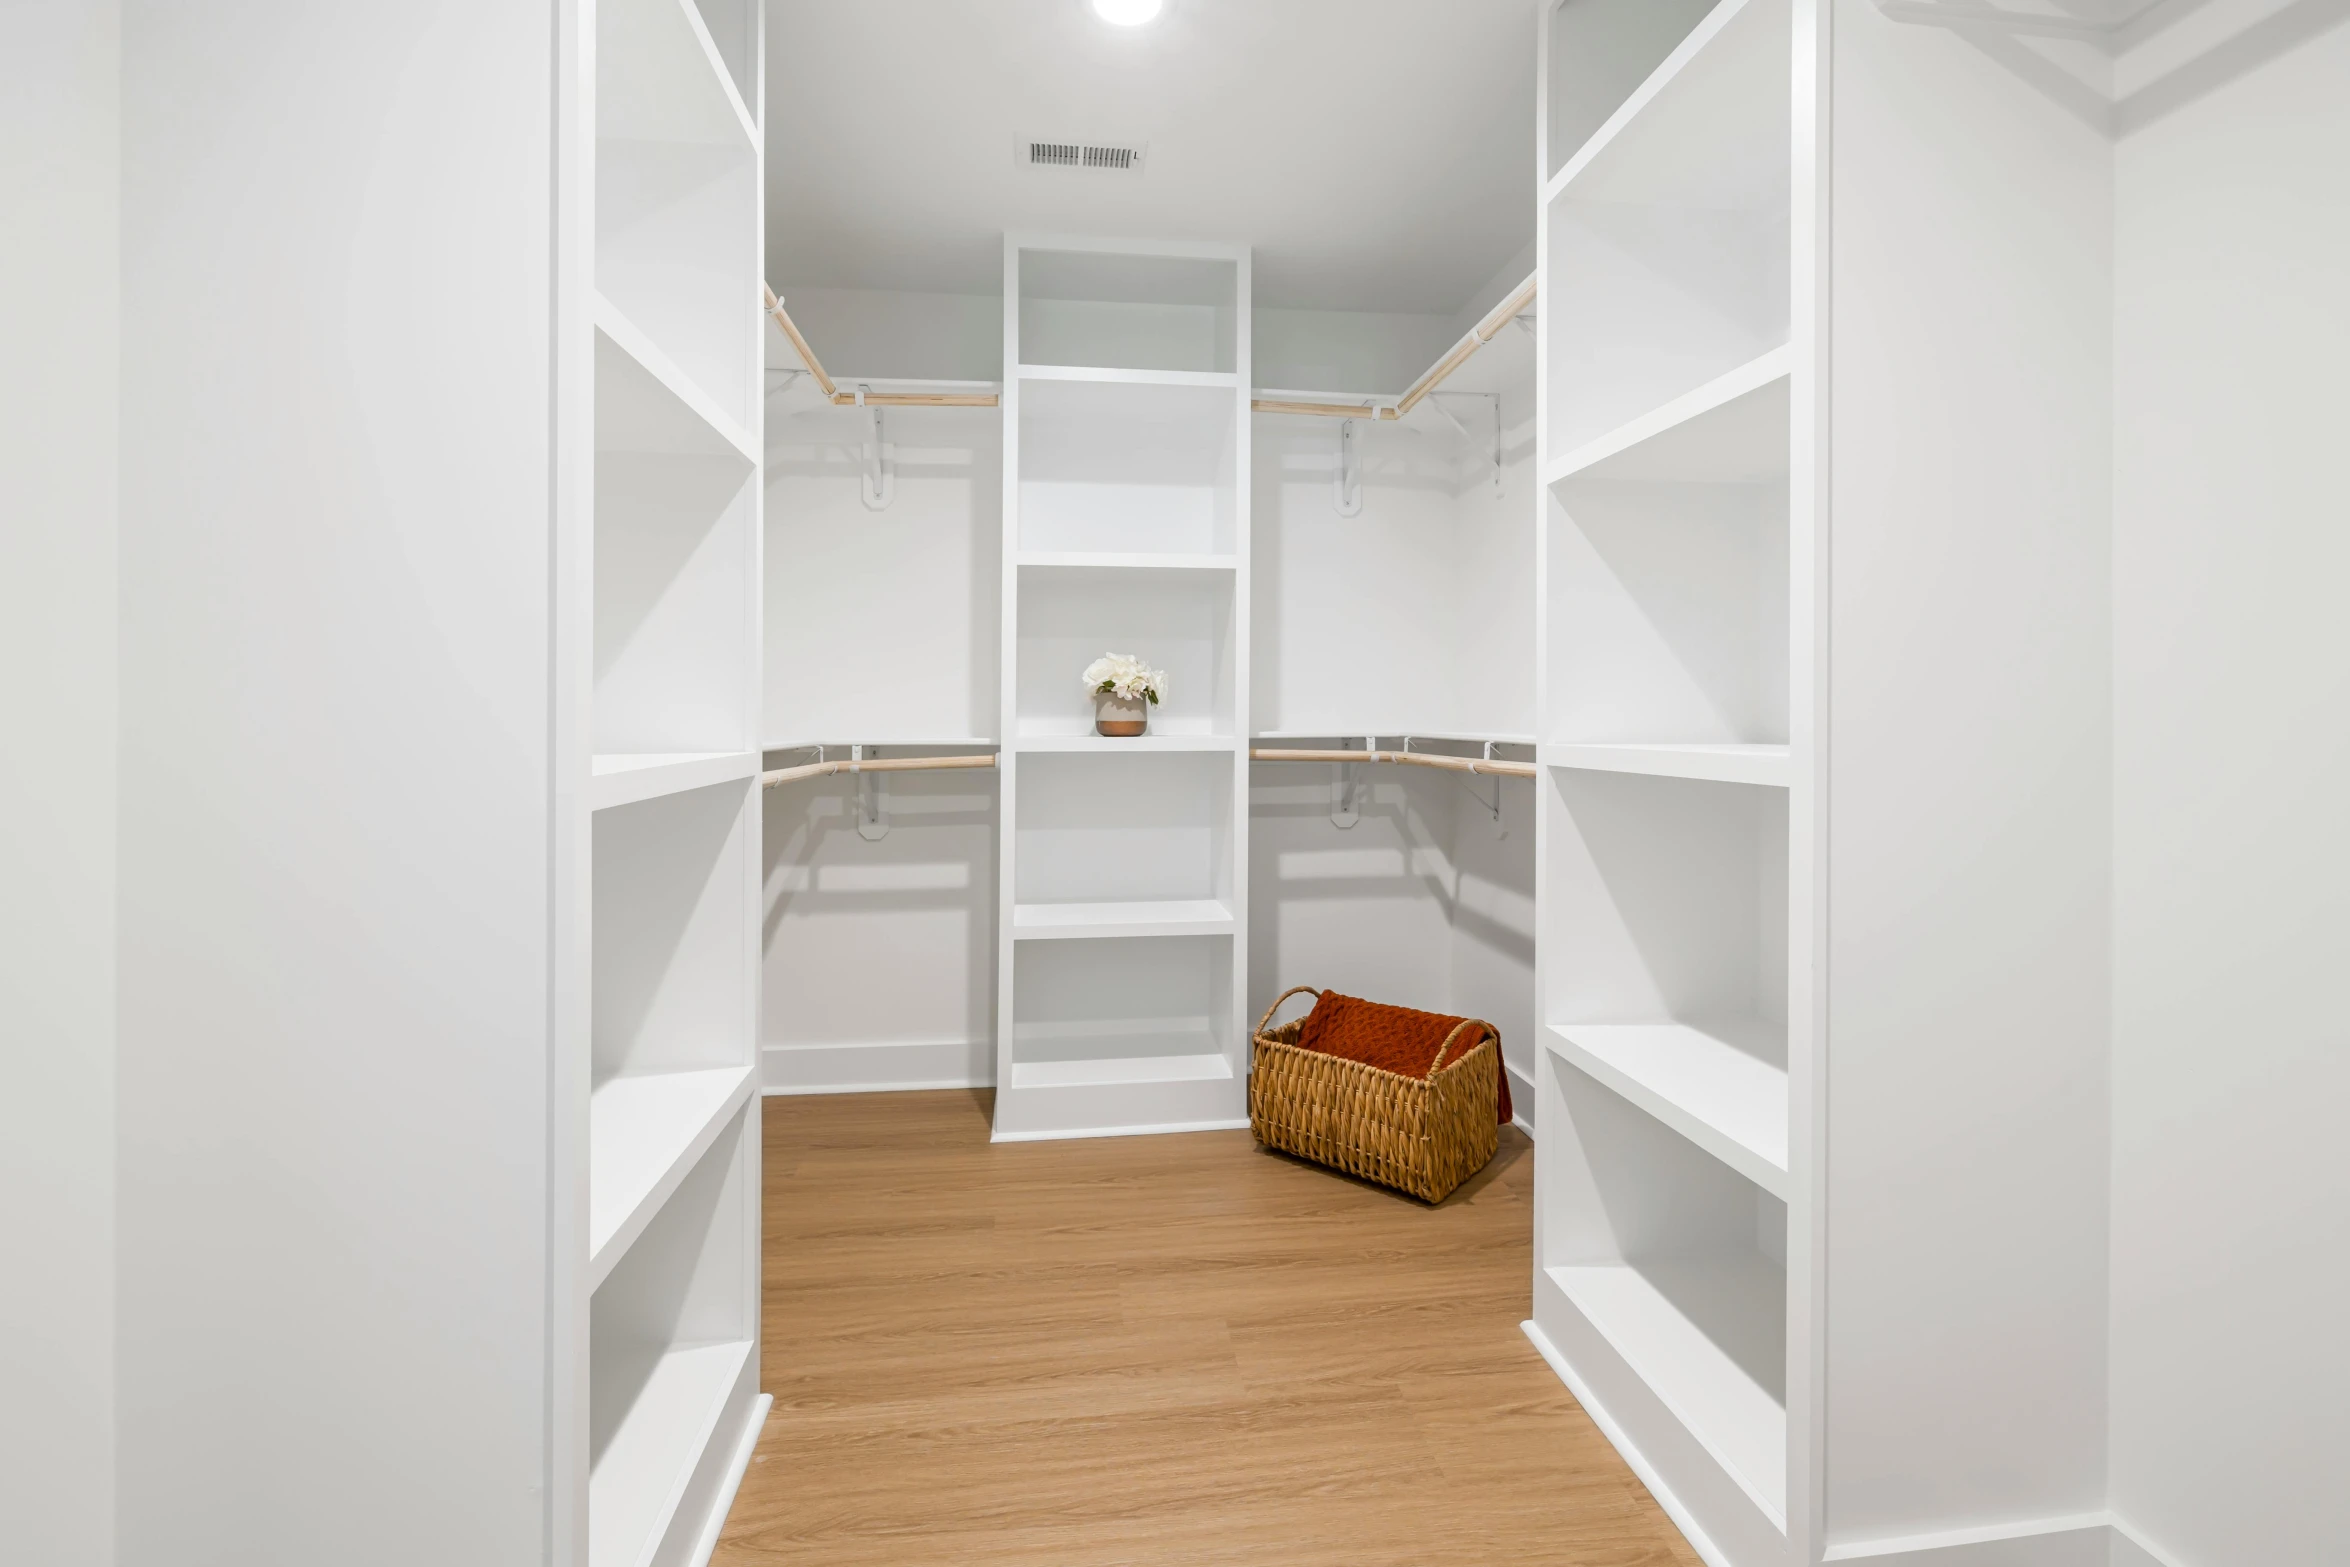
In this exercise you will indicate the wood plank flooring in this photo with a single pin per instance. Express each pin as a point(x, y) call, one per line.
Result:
point(1153, 1350)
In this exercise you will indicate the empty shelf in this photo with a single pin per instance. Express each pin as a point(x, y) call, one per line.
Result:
point(1118, 561)
point(643, 1473)
point(1767, 765)
point(1732, 430)
point(1732, 1415)
point(625, 777)
point(645, 1133)
point(1116, 1070)
point(645, 403)
point(1150, 742)
point(1707, 129)
point(1110, 376)
point(1068, 921)
point(1728, 1101)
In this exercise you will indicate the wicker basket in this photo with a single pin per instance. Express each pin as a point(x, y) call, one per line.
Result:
point(1420, 1135)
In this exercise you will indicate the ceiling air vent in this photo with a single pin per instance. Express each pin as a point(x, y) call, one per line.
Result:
point(1084, 157)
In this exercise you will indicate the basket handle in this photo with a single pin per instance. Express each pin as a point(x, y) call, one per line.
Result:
point(1467, 1022)
point(1284, 996)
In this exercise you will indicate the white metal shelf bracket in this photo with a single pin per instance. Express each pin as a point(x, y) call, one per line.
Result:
point(879, 481)
point(872, 798)
point(1346, 489)
point(1493, 405)
point(1346, 788)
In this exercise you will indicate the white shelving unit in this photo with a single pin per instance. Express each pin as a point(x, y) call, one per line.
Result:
point(666, 1311)
point(1720, 412)
point(1122, 874)
point(1673, 728)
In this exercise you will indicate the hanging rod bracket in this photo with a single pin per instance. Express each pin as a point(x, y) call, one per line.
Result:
point(1346, 489)
point(872, 798)
point(878, 482)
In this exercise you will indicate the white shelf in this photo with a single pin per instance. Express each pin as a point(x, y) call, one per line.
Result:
point(1729, 1102)
point(906, 743)
point(663, 80)
point(1065, 560)
point(1731, 1415)
point(1080, 921)
point(1062, 743)
point(645, 1470)
point(645, 1132)
point(625, 777)
point(645, 403)
point(1119, 1071)
point(1107, 376)
point(1390, 732)
point(1731, 430)
point(1687, 137)
point(1769, 766)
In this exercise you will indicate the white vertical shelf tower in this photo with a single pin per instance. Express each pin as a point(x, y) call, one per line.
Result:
point(665, 1306)
point(1675, 868)
point(1816, 839)
point(1126, 457)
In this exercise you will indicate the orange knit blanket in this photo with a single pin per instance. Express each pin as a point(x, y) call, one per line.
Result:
point(1393, 1039)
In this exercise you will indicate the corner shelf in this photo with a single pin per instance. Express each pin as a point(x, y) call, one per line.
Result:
point(626, 777)
point(1768, 766)
point(1084, 921)
point(645, 1132)
point(1729, 1102)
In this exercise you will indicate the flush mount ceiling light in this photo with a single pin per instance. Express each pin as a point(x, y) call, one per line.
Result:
point(1127, 13)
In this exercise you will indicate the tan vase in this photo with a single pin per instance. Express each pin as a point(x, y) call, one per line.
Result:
point(1117, 716)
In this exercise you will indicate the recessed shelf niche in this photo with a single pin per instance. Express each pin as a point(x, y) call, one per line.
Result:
point(1178, 620)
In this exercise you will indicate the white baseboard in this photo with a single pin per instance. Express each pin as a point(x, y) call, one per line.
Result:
point(1521, 1099)
point(877, 1066)
point(736, 1467)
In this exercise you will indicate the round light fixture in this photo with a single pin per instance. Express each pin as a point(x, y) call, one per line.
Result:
point(1127, 13)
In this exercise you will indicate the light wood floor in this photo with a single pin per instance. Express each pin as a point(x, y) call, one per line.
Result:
point(1153, 1350)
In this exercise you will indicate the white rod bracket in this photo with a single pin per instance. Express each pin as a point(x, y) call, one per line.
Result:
point(879, 481)
point(1346, 790)
point(872, 800)
point(1493, 405)
point(1346, 491)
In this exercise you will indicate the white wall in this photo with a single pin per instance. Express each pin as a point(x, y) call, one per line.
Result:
point(2231, 1056)
point(335, 957)
point(1968, 781)
point(60, 70)
point(880, 332)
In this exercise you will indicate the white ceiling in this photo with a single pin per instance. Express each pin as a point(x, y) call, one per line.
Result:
point(1378, 154)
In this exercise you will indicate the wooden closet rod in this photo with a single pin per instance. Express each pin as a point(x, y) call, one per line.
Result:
point(843, 399)
point(874, 764)
point(1450, 764)
point(1478, 336)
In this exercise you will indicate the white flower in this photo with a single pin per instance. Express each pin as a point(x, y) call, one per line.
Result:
point(1126, 677)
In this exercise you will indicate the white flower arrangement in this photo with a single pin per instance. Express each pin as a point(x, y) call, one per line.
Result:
point(1125, 677)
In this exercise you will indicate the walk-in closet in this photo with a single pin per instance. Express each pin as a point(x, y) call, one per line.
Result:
point(1325, 783)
